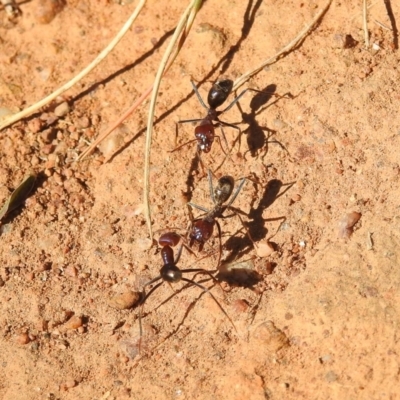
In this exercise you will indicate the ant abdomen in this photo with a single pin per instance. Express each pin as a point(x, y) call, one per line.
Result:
point(224, 189)
point(219, 93)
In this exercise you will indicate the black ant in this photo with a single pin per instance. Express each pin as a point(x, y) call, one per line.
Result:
point(202, 228)
point(204, 131)
point(170, 273)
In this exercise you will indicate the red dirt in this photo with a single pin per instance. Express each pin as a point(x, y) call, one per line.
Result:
point(320, 321)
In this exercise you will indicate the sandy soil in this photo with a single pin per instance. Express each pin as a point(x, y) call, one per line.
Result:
point(316, 318)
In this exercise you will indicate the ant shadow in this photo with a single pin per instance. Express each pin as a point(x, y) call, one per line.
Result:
point(240, 246)
point(257, 140)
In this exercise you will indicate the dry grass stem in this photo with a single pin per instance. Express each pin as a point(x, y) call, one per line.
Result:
point(6, 121)
point(181, 30)
point(245, 77)
point(383, 25)
point(365, 23)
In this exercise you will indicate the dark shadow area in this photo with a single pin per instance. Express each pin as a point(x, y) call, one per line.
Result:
point(243, 277)
point(239, 246)
point(389, 11)
point(258, 137)
point(194, 167)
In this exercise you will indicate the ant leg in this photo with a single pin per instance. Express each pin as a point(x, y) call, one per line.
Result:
point(145, 297)
point(246, 229)
point(220, 243)
point(226, 142)
point(198, 95)
point(239, 188)
point(200, 271)
point(186, 121)
point(182, 145)
point(279, 227)
point(216, 301)
point(211, 187)
point(198, 207)
point(198, 153)
point(237, 98)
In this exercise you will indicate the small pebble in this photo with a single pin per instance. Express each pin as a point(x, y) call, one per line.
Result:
point(264, 249)
point(22, 338)
point(71, 271)
point(331, 376)
point(83, 122)
point(62, 109)
point(296, 198)
point(240, 305)
point(74, 322)
point(272, 338)
point(69, 384)
point(124, 301)
point(35, 125)
point(347, 223)
point(46, 10)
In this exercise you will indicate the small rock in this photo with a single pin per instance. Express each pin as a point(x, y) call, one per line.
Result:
point(240, 305)
point(83, 122)
point(271, 337)
point(46, 10)
point(264, 249)
point(347, 223)
point(22, 338)
point(72, 185)
point(62, 109)
point(35, 125)
point(69, 384)
point(296, 198)
point(124, 301)
point(331, 376)
point(48, 135)
point(71, 271)
point(74, 322)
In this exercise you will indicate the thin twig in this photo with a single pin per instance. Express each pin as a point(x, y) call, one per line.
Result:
point(183, 28)
point(383, 25)
point(245, 77)
point(365, 24)
point(35, 107)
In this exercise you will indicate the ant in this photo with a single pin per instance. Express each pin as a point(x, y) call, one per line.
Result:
point(170, 273)
point(204, 131)
point(202, 228)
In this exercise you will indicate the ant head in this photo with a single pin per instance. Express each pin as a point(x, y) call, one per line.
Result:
point(224, 189)
point(170, 273)
point(169, 239)
point(219, 92)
